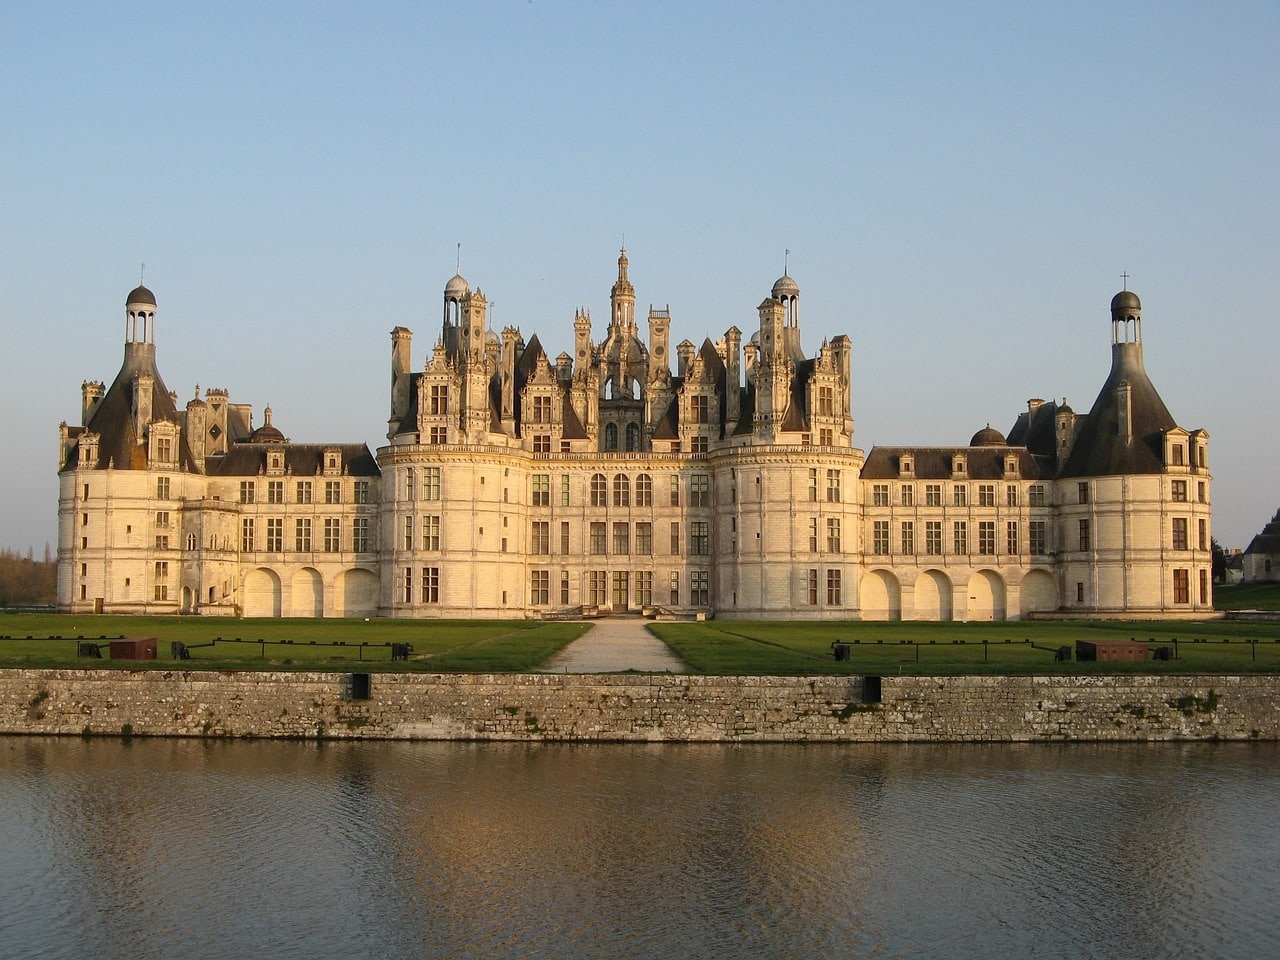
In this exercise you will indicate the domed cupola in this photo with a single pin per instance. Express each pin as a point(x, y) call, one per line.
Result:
point(785, 287)
point(988, 436)
point(266, 433)
point(1126, 318)
point(456, 288)
point(140, 295)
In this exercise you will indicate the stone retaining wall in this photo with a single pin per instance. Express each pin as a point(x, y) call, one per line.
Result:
point(638, 708)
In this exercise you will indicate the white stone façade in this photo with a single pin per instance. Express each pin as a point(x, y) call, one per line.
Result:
point(514, 485)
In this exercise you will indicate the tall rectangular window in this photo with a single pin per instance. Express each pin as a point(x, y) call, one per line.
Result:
point(644, 538)
point(1035, 495)
point(275, 534)
point(675, 538)
point(813, 534)
point(360, 491)
point(246, 535)
point(599, 490)
point(1082, 492)
point(833, 588)
point(1180, 533)
point(833, 486)
point(430, 483)
point(542, 489)
point(622, 538)
point(439, 399)
point(987, 537)
point(1036, 538)
point(701, 409)
point(275, 491)
point(541, 409)
point(162, 488)
point(700, 490)
point(302, 535)
point(933, 494)
point(986, 494)
point(540, 537)
point(675, 491)
point(303, 491)
point(621, 490)
point(430, 584)
point(333, 491)
point(959, 495)
point(880, 537)
point(699, 588)
point(908, 537)
point(833, 534)
point(644, 588)
point(564, 587)
point(1011, 538)
point(598, 588)
point(811, 586)
point(247, 490)
point(1178, 491)
point(933, 538)
point(408, 584)
point(564, 538)
point(907, 495)
point(539, 587)
point(813, 484)
point(644, 490)
point(699, 538)
point(1083, 533)
point(1181, 586)
point(959, 537)
point(880, 495)
point(360, 534)
point(1011, 494)
point(598, 538)
point(431, 532)
point(674, 591)
point(332, 535)
point(564, 489)
point(408, 533)
point(1204, 586)
point(1203, 539)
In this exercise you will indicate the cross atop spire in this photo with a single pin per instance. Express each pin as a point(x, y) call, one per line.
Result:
point(1125, 278)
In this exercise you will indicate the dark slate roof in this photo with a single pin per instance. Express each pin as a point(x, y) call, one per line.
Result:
point(797, 417)
point(113, 420)
point(667, 427)
point(746, 411)
point(300, 459)
point(571, 427)
point(1267, 542)
point(934, 463)
point(1035, 430)
point(1098, 449)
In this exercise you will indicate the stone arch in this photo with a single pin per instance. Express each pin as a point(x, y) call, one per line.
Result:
point(262, 593)
point(933, 596)
point(307, 593)
point(986, 593)
point(881, 596)
point(1039, 592)
point(356, 594)
point(189, 600)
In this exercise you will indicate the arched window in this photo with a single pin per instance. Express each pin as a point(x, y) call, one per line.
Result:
point(621, 490)
point(633, 436)
point(191, 541)
point(644, 490)
point(611, 436)
point(599, 490)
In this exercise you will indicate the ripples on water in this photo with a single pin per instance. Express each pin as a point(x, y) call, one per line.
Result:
point(160, 849)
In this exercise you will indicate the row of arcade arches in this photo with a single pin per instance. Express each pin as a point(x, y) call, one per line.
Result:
point(353, 593)
point(934, 596)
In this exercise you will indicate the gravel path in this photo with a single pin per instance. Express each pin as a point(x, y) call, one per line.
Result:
point(613, 646)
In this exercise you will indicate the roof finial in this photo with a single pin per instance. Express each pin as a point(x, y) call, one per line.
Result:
point(142, 274)
point(1125, 277)
point(786, 256)
point(457, 264)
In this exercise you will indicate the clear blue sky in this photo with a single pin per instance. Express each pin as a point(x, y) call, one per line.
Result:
point(960, 186)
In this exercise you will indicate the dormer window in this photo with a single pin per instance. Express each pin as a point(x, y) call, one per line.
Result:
point(959, 465)
point(907, 465)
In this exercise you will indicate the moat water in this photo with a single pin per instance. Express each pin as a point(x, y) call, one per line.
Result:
point(179, 848)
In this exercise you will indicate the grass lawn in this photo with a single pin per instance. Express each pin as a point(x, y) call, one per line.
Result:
point(1247, 596)
point(717, 647)
point(221, 643)
point(728, 647)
